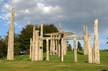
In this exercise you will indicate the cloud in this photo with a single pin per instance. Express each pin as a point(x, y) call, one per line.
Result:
point(75, 13)
point(48, 9)
point(33, 11)
point(6, 8)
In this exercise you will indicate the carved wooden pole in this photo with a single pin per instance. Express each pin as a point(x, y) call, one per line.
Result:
point(85, 40)
point(75, 50)
point(47, 50)
point(56, 46)
point(30, 48)
point(33, 45)
point(61, 48)
point(90, 57)
point(87, 35)
point(41, 44)
point(53, 48)
point(58, 49)
point(10, 50)
point(36, 45)
point(93, 55)
point(64, 45)
point(96, 42)
point(39, 50)
point(51, 45)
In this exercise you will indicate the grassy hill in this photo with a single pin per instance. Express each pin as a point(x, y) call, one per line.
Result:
point(22, 63)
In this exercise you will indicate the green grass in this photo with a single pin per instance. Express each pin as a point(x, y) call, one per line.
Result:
point(22, 63)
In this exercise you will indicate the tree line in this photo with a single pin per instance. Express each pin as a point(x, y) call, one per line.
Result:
point(22, 40)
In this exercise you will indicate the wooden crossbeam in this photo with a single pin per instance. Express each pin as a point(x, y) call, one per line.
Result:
point(58, 33)
point(77, 37)
point(67, 38)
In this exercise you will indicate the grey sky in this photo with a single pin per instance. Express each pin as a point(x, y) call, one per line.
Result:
point(73, 14)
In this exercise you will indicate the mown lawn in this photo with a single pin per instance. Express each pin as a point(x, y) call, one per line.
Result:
point(22, 63)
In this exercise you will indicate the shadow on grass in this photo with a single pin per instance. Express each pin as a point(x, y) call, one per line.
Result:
point(104, 70)
point(81, 53)
point(44, 58)
point(86, 61)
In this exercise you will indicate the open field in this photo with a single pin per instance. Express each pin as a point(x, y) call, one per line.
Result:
point(22, 63)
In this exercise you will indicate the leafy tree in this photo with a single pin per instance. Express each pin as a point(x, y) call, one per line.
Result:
point(22, 40)
point(107, 41)
point(24, 37)
point(79, 47)
point(17, 44)
point(49, 29)
point(69, 47)
point(27, 32)
point(3, 49)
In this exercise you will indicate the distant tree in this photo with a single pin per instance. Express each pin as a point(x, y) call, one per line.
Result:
point(69, 47)
point(17, 44)
point(27, 33)
point(3, 48)
point(107, 41)
point(49, 29)
point(79, 47)
point(24, 37)
point(22, 40)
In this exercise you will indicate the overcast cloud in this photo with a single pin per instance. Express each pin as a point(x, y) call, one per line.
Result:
point(73, 14)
